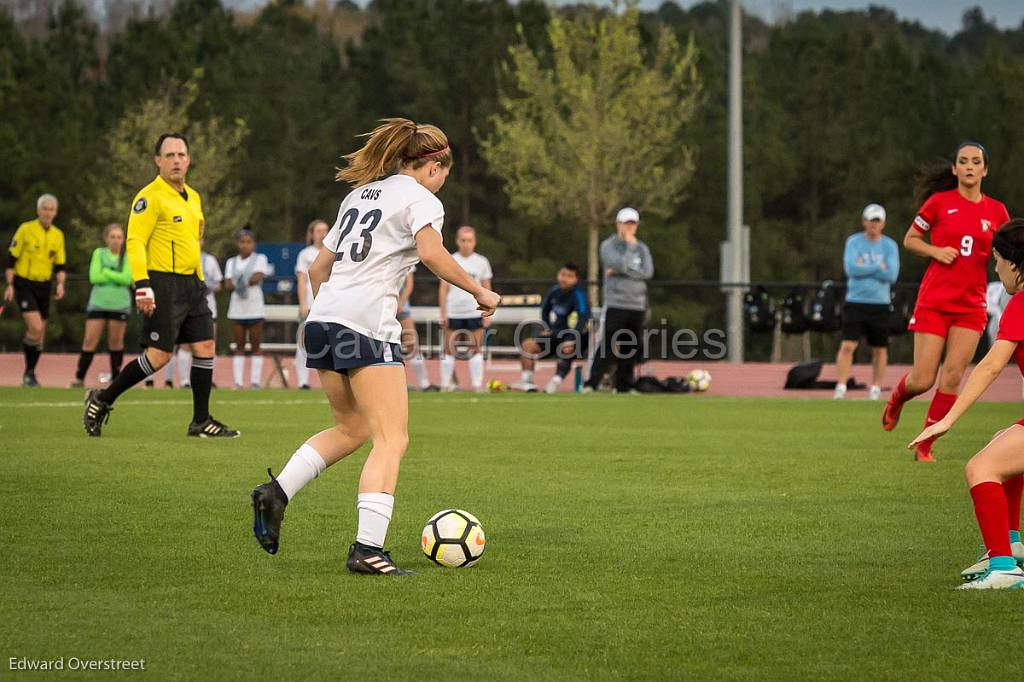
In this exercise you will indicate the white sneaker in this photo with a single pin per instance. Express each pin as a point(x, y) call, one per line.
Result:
point(553, 384)
point(840, 392)
point(997, 580)
point(978, 569)
point(450, 388)
point(526, 386)
point(876, 393)
point(587, 390)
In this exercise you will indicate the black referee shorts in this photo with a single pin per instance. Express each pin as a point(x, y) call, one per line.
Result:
point(182, 314)
point(869, 320)
point(31, 295)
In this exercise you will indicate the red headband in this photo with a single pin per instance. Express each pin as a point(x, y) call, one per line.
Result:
point(429, 154)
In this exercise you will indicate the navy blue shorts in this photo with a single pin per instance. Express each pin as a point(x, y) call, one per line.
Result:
point(470, 324)
point(336, 347)
point(249, 321)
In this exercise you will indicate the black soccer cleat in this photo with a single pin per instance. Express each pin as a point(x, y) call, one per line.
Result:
point(268, 503)
point(29, 380)
point(211, 428)
point(373, 561)
point(96, 413)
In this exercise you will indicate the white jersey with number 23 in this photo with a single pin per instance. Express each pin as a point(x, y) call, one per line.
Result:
point(374, 242)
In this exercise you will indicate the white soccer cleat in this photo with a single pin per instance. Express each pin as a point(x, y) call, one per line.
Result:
point(840, 392)
point(526, 386)
point(875, 393)
point(553, 384)
point(997, 580)
point(981, 566)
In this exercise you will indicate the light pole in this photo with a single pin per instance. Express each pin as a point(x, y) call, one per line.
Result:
point(736, 268)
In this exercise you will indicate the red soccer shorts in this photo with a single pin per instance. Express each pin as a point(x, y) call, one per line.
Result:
point(938, 322)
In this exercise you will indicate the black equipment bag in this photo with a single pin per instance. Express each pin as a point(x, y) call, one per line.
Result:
point(794, 317)
point(826, 308)
point(759, 310)
point(899, 315)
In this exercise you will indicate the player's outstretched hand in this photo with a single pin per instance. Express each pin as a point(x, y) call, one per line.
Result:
point(487, 301)
point(933, 431)
point(946, 255)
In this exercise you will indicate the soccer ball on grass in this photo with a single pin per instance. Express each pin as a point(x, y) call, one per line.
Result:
point(453, 538)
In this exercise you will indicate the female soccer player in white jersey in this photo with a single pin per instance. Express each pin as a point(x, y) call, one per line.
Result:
point(315, 234)
point(352, 336)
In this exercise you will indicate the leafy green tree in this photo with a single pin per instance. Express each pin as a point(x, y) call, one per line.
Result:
point(215, 146)
point(598, 129)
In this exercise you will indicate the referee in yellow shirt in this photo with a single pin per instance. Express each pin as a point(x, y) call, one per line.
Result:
point(37, 251)
point(164, 230)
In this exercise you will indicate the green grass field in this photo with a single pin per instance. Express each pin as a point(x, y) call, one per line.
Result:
point(629, 537)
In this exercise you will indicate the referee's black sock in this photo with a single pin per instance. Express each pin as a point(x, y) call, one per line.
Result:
point(116, 360)
point(134, 372)
point(201, 377)
point(32, 353)
point(84, 360)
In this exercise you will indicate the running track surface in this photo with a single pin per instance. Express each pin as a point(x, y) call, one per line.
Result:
point(749, 379)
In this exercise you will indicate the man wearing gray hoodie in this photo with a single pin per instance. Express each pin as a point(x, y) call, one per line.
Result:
point(627, 265)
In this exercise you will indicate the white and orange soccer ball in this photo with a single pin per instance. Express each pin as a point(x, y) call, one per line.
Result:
point(453, 538)
point(699, 380)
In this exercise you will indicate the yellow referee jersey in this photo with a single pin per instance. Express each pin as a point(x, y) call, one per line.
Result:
point(164, 231)
point(36, 250)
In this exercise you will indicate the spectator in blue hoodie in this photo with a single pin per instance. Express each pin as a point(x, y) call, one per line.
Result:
point(872, 264)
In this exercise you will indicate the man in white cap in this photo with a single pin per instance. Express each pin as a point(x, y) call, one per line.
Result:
point(872, 263)
point(627, 265)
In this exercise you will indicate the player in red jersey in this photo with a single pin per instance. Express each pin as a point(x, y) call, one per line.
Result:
point(994, 474)
point(950, 314)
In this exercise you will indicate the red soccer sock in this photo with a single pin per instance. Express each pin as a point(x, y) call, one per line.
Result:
point(990, 509)
point(901, 394)
point(1012, 488)
point(941, 404)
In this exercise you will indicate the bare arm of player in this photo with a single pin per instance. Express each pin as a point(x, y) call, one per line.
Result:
point(406, 292)
point(442, 300)
point(486, 284)
point(433, 254)
point(990, 367)
point(320, 270)
point(302, 278)
point(915, 243)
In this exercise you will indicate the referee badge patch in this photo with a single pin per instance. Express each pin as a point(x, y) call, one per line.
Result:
point(140, 205)
point(176, 219)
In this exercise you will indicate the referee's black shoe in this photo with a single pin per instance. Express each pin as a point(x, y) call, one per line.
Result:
point(96, 413)
point(372, 560)
point(268, 503)
point(211, 428)
point(29, 379)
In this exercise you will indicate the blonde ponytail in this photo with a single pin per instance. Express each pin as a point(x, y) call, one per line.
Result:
point(394, 144)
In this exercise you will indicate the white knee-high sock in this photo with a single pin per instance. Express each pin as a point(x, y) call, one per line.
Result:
point(184, 366)
point(476, 370)
point(419, 368)
point(301, 371)
point(238, 369)
point(169, 368)
point(256, 370)
point(305, 465)
point(374, 516)
point(447, 370)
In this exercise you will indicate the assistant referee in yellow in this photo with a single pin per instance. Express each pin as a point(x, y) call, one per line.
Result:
point(36, 253)
point(164, 230)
